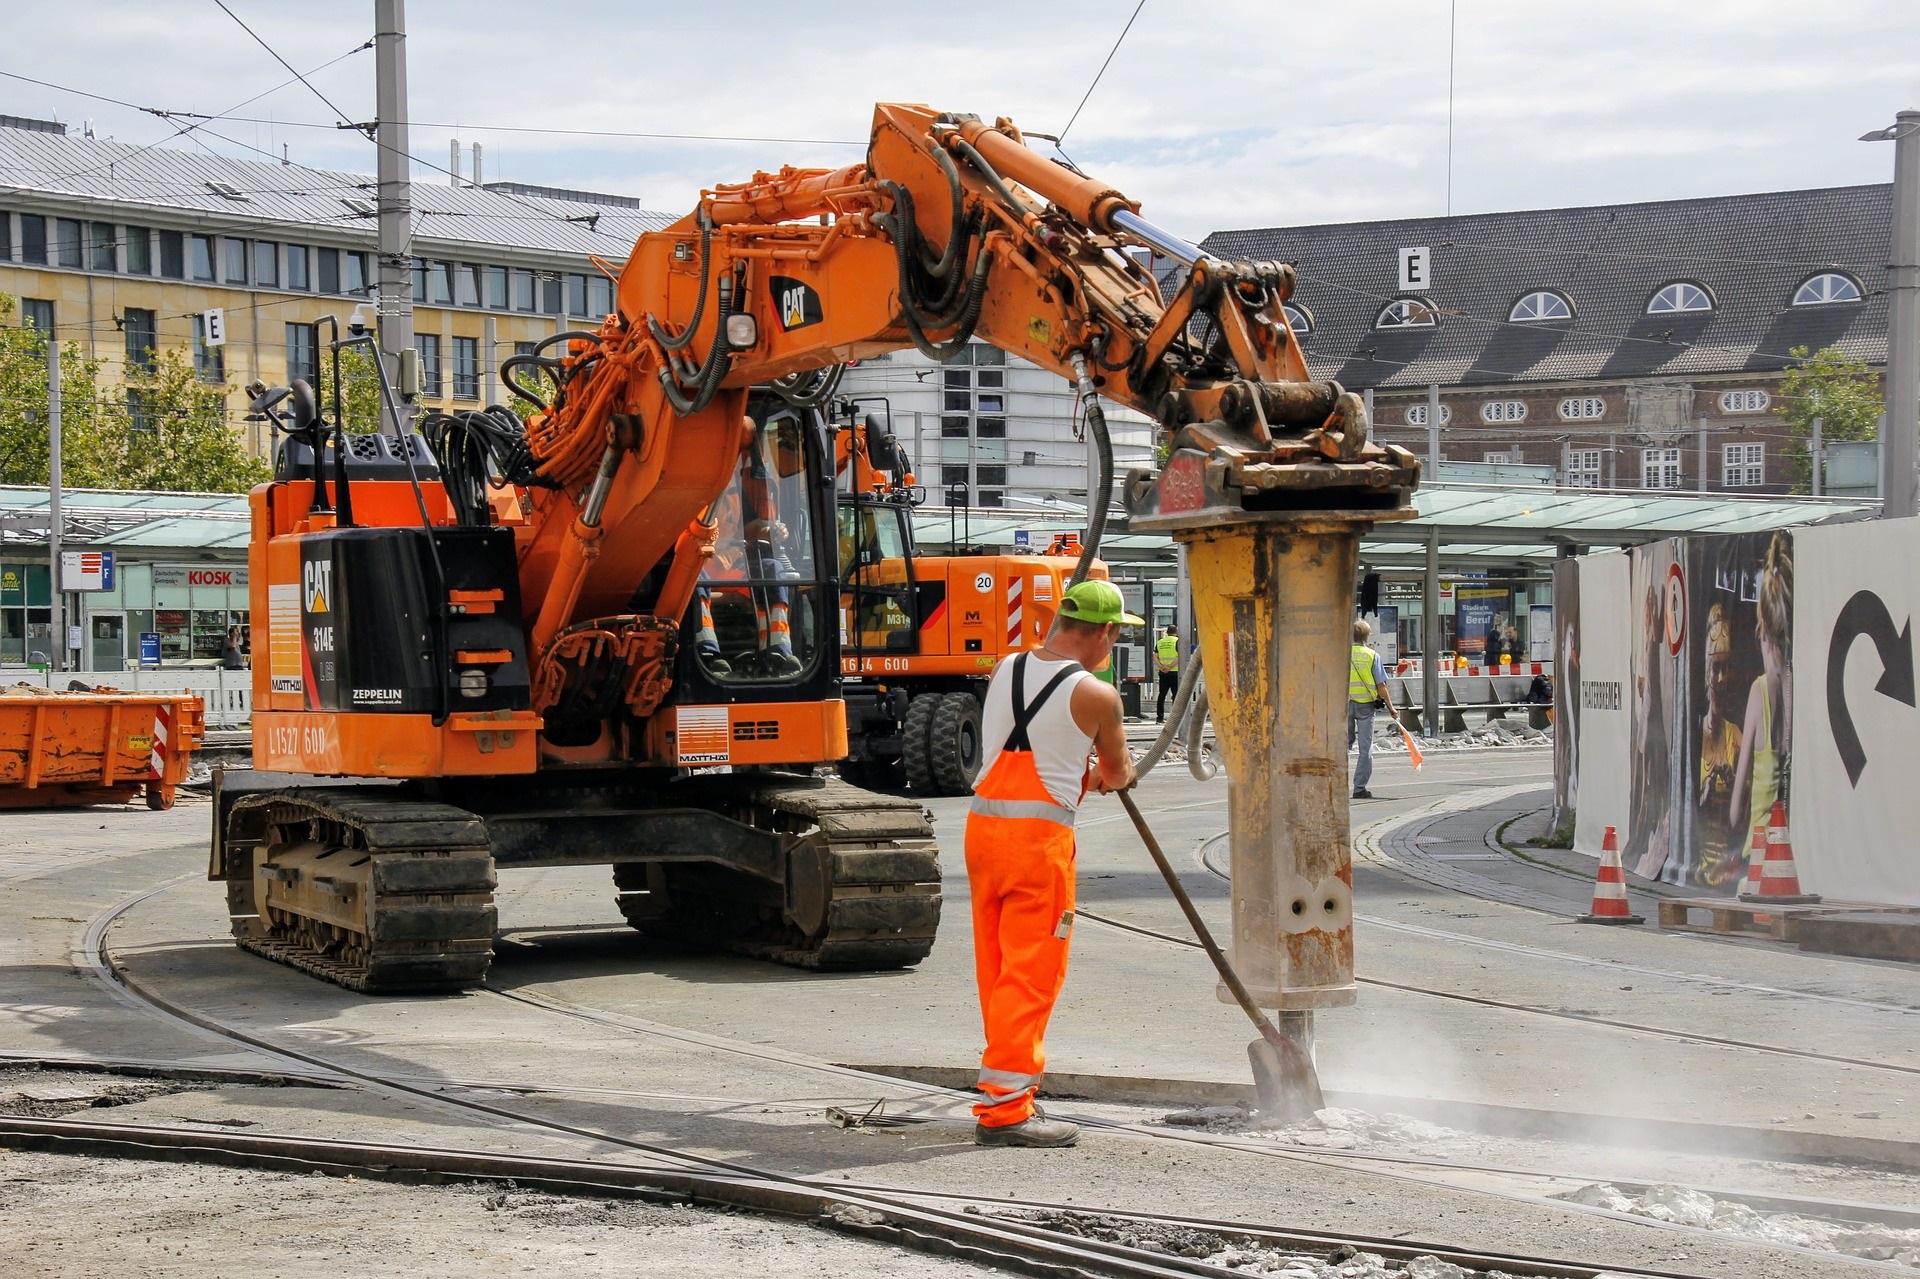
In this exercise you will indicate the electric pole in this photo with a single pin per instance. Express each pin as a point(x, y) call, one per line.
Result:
point(57, 648)
point(395, 299)
point(1897, 442)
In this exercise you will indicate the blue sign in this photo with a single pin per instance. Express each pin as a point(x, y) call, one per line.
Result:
point(1022, 539)
point(106, 570)
point(149, 648)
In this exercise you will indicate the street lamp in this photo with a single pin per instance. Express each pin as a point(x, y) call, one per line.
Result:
point(1897, 446)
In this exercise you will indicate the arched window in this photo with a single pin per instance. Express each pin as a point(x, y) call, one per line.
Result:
point(1406, 313)
point(1543, 305)
point(1681, 295)
point(1297, 319)
point(1828, 286)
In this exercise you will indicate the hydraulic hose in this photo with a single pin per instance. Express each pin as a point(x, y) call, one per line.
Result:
point(700, 300)
point(1100, 491)
point(712, 373)
point(1098, 497)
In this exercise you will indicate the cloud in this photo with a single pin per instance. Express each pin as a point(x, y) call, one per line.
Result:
point(1214, 113)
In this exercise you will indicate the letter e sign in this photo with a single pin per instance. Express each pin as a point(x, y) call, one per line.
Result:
point(1416, 270)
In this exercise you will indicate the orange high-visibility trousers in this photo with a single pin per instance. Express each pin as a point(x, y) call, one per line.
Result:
point(1020, 874)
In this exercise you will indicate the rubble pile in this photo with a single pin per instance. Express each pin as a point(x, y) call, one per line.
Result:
point(1332, 1128)
point(1681, 1206)
point(1499, 732)
point(1241, 1256)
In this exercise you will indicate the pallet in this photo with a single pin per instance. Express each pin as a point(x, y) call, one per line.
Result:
point(1730, 917)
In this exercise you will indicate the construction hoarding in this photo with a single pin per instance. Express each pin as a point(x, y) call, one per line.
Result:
point(1698, 688)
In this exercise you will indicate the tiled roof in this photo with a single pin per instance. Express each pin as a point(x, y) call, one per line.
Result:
point(187, 183)
point(1750, 252)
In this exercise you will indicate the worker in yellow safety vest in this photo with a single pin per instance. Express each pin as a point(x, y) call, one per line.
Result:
point(1043, 710)
point(1366, 691)
point(1166, 656)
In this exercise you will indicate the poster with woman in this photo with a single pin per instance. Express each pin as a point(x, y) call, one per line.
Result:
point(1740, 606)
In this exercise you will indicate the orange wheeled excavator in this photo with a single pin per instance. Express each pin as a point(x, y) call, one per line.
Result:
point(920, 634)
point(611, 638)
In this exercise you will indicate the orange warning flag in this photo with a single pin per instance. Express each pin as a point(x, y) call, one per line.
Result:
point(1414, 754)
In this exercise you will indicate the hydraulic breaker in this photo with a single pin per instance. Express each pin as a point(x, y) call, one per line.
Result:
point(1270, 499)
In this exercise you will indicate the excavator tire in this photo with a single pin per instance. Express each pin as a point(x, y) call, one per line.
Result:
point(862, 891)
point(375, 892)
point(916, 741)
point(953, 747)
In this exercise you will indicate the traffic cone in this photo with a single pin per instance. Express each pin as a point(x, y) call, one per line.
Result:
point(1779, 882)
point(1610, 889)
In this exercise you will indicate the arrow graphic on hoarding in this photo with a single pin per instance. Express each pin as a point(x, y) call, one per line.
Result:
point(1866, 614)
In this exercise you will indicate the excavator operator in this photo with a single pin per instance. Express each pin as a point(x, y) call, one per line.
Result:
point(1043, 711)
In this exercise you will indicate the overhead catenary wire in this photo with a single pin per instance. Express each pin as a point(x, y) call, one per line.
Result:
point(1101, 72)
point(274, 54)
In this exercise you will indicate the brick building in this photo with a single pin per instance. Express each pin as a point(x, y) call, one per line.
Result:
point(1627, 346)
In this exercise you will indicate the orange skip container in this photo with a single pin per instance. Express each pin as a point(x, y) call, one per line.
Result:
point(97, 747)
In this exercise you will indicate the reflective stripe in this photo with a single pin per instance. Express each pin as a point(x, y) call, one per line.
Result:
point(1007, 1081)
point(1035, 809)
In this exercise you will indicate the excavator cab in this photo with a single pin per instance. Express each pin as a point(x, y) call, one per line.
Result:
point(758, 613)
point(876, 578)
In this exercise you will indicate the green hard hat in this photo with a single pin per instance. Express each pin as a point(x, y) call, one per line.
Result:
point(1096, 602)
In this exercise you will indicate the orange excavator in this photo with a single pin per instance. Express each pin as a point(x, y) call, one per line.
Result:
point(611, 638)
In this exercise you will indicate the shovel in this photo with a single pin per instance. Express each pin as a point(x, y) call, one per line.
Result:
point(1283, 1077)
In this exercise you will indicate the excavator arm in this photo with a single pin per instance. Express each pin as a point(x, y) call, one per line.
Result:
point(951, 230)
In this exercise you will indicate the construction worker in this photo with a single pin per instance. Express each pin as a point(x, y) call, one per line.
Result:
point(1366, 690)
point(1166, 655)
point(1044, 709)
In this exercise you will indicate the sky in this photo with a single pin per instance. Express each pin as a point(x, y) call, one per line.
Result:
point(1214, 114)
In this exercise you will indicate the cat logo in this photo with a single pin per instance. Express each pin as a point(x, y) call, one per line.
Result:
point(795, 303)
point(316, 581)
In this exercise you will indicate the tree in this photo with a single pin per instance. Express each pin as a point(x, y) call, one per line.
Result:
point(359, 387)
point(23, 409)
point(172, 433)
point(1843, 393)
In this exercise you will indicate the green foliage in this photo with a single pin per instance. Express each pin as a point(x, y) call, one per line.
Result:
point(164, 429)
point(172, 434)
point(1843, 393)
point(359, 389)
point(23, 409)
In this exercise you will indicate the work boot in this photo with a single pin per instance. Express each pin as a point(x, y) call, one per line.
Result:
point(1363, 793)
point(1037, 1131)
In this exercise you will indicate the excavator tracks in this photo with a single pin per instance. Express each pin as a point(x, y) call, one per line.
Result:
point(862, 890)
point(373, 893)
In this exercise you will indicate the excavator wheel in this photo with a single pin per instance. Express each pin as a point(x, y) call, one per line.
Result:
point(862, 890)
point(373, 892)
point(953, 747)
point(916, 740)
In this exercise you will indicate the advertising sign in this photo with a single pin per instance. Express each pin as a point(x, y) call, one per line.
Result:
point(86, 570)
point(149, 648)
point(175, 576)
point(1482, 620)
point(1595, 659)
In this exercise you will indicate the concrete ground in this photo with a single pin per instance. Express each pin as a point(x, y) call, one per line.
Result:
point(1477, 988)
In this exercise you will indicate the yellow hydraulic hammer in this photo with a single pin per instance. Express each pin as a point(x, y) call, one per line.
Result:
point(1271, 519)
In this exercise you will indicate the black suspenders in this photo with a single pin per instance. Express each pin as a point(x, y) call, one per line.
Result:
point(1023, 713)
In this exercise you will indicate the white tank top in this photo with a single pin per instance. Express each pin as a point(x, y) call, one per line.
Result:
point(1059, 745)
